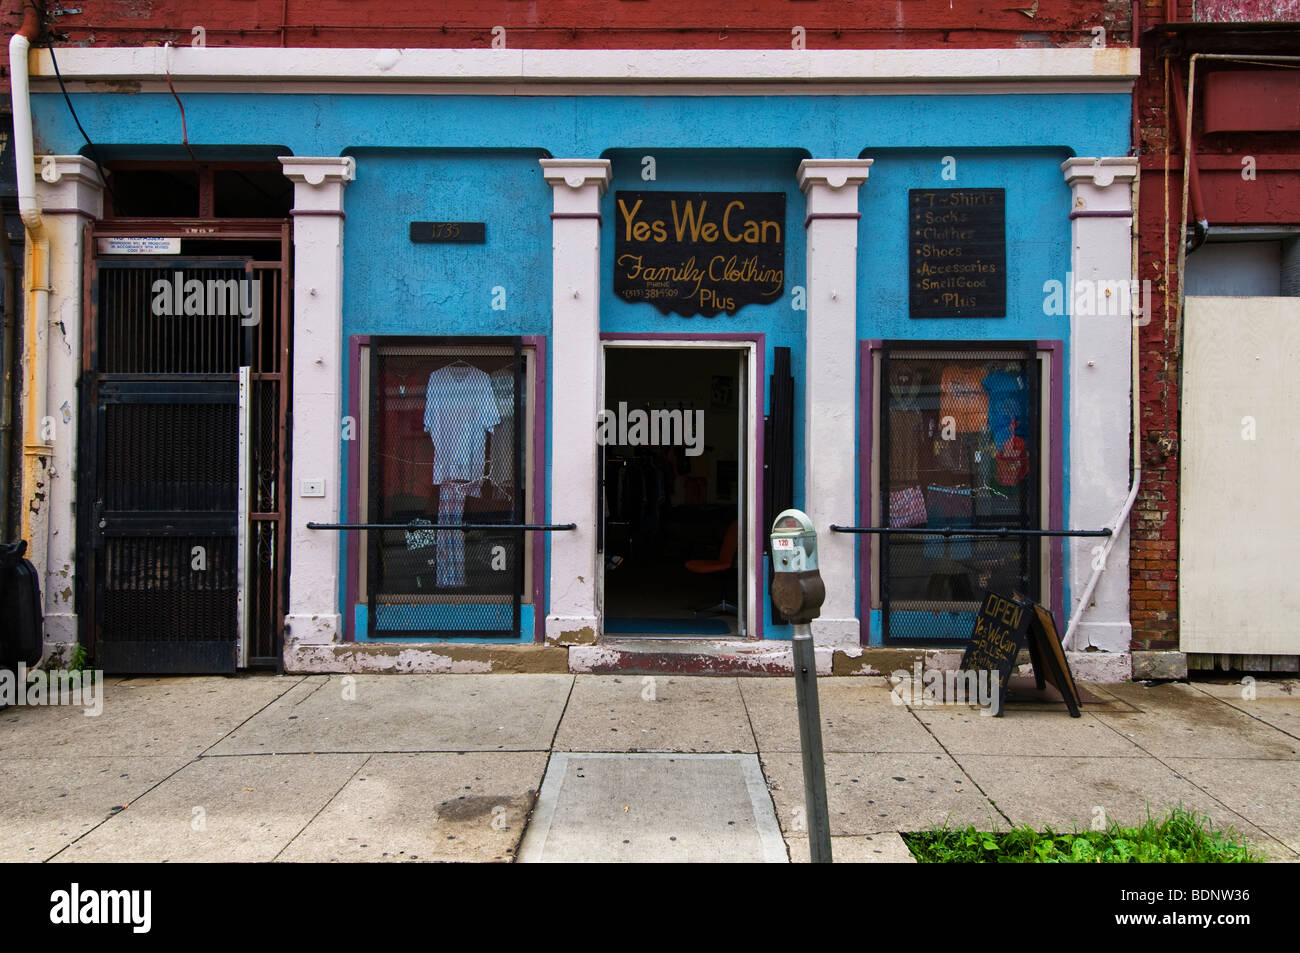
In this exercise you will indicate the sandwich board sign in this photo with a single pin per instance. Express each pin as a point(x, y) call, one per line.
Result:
point(1003, 626)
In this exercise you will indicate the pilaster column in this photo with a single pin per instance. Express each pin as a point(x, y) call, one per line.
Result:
point(574, 615)
point(313, 615)
point(1100, 412)
point(830, 383)
point(71, 193)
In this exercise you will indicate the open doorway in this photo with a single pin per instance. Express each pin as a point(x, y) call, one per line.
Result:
point(674, 472)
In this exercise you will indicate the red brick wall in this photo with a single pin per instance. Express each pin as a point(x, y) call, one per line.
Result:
point(611, 24)
point(1153, 529)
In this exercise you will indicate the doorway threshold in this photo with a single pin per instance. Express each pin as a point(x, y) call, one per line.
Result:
point(672, 643)
point(671, 627)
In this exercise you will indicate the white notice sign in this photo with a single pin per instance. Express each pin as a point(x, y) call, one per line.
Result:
point(122, 245)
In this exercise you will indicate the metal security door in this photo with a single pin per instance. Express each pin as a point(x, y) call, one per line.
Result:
point(161, 531)
point(446, 453)
point(165, 526)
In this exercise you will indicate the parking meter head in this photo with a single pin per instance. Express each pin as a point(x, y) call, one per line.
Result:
point(794, 542)
point(797, 588)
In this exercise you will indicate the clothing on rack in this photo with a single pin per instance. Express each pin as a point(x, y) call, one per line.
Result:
point(638, 491)
point(907, 440)
point(501, 449)
point(1008, 401)
point(963, 398)
point(450, 569)
point(459, 409)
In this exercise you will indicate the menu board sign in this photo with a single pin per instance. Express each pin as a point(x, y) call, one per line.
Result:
point(957, 253)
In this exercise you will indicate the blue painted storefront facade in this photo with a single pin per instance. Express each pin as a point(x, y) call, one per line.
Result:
point(474, 158)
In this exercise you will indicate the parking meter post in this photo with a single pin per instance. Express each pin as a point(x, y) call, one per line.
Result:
point(798, 592)
point(810, 742)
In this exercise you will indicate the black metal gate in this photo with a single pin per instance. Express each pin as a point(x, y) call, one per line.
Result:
point(169, 587)
point(960, 451)
point(778, 449)
point(165, 526)
point(446, 450)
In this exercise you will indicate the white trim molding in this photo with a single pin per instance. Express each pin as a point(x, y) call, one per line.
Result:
point(1100, 412)
point(831, 383)
point(313, 617)
point(574, 613)
point(733, 71)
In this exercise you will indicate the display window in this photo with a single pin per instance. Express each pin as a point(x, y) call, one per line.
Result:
point(447, 448)
point(960, 450)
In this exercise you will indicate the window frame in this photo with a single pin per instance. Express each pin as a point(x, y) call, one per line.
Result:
point(531, 470)
point(1050, 434)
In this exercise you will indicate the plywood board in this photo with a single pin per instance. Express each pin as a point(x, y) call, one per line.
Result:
point(1240, 467)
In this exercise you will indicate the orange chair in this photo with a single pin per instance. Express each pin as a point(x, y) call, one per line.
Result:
point(725, 561)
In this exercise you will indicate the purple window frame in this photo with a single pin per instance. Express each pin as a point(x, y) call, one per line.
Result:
point(537, 474)
point(1055, 386)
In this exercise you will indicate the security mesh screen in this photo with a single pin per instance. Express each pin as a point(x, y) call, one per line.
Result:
point(170, 456)
point(169, 589)
point(445, 450)
point(959, 451)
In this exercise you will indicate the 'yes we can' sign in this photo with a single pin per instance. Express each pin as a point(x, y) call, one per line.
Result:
point(699, 252)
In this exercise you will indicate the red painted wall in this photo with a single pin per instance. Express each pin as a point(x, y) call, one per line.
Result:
point(583, 24)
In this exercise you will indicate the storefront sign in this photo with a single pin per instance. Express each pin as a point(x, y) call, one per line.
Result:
point(451, 233)
point(699, 252)
point(957, 253)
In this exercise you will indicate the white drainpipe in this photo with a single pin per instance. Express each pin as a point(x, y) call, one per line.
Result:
point(35, 332)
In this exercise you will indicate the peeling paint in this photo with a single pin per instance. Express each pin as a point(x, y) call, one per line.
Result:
point(584, 636)
point(114, 86)
point(451, 659)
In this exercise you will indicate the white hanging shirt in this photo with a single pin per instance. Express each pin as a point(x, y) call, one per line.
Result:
point(458, 408)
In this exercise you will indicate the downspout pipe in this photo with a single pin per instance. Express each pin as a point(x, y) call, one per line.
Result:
point(37, 275)
point(20, 96)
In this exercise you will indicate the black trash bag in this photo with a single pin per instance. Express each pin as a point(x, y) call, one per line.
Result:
point(20, 608)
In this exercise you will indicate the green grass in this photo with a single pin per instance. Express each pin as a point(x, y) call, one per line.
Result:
point(1181, 837)
point(80, 662)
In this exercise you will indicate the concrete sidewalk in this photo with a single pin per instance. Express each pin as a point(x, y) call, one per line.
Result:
point(458, 767)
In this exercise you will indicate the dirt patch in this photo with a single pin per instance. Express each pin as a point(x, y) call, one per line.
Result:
point(469, 808)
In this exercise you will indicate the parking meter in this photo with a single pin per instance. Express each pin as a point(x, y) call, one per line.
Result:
point(798, 591)
point(797, 587)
